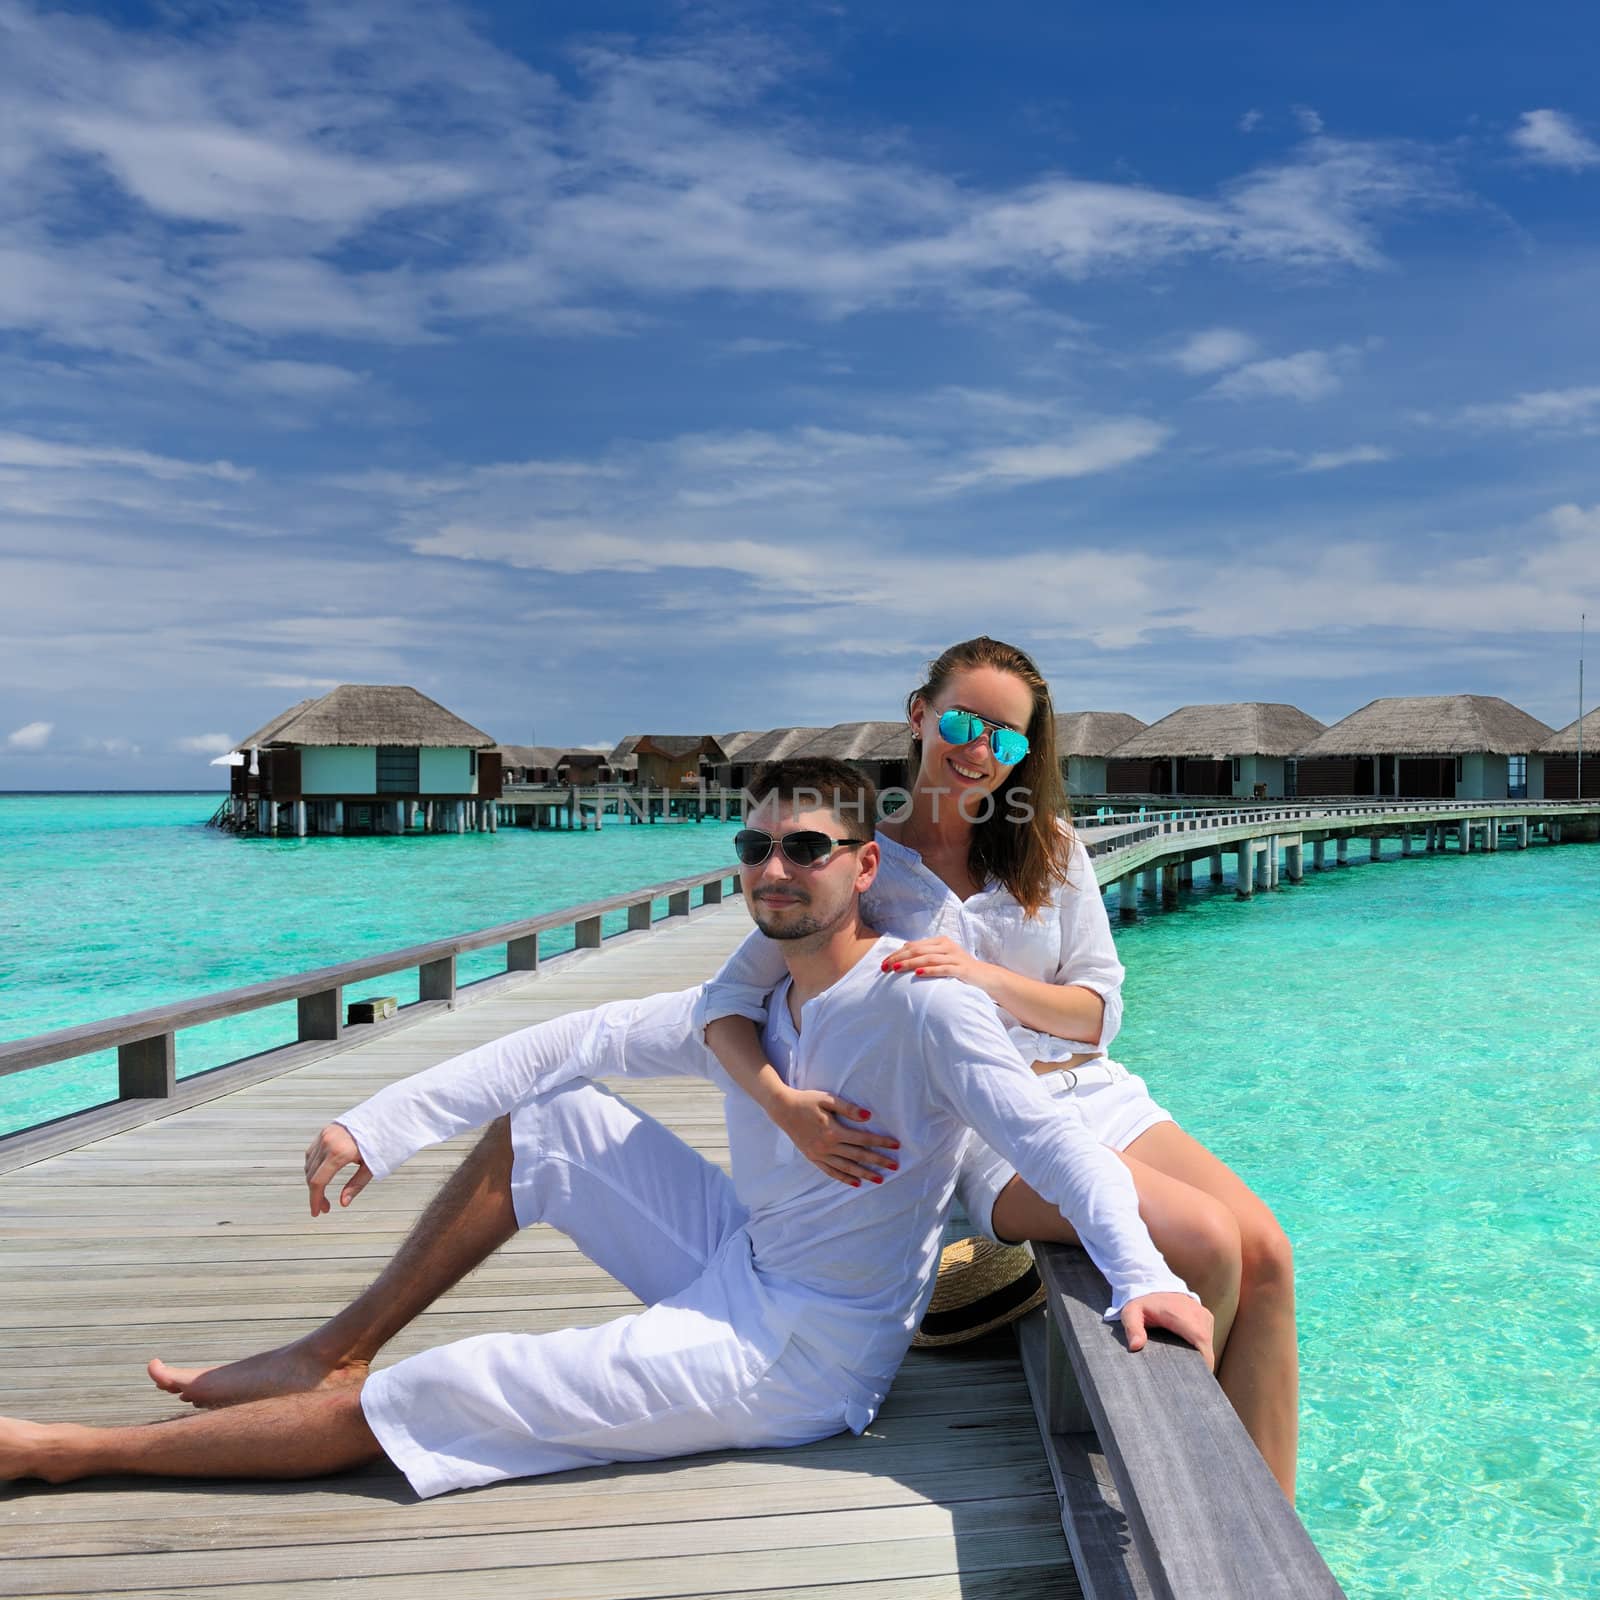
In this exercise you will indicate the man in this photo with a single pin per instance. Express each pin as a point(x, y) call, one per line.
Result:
point(778, 1305)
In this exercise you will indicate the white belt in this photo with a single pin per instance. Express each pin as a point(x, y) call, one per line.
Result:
point(1091, 1072)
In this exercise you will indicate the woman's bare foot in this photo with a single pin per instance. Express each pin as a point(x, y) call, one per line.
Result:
point(290, 1369)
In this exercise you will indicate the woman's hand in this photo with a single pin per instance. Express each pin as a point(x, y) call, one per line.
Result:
point(940, 958)
point(330, 1153)
point(827, 1131)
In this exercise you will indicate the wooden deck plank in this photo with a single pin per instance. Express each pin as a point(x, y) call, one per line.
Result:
point(190, 1237)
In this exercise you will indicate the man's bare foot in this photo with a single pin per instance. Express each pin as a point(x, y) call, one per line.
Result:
point(290, 1369)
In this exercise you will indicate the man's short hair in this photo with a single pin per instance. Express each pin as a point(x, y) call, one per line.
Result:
point(813, 782)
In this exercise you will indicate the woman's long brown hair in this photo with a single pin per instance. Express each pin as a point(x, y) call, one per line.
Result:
point(1030, 858)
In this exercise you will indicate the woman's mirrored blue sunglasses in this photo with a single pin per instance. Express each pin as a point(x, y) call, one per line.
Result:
point(806, 848)
point(962, 727)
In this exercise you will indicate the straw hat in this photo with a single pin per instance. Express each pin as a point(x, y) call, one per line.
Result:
point(982, 1286)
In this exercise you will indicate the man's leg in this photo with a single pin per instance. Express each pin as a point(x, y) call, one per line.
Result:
point(465, 1223)
point(295, 1436)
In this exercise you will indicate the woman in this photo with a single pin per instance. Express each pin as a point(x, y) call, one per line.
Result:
point(989, 887)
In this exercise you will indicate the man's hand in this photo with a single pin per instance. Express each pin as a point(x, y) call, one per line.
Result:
point(329, 1154)
point(939, 957)
point(827, 1131)
point(1178, 1314)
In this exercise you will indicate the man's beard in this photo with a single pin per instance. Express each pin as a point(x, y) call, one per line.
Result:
point(803, 927)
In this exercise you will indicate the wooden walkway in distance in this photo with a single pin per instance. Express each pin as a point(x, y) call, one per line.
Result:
point(190, 1238)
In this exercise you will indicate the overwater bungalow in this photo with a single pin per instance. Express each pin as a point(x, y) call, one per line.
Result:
point(668, 760)
point(1559, 755)
point(365, 758)
point(735, 772)
point(590, 764)
point(1432, 746)
point(1242, 749)
point(1084, 741)
point(529, 763)
point(773, 745)
point(879, 750)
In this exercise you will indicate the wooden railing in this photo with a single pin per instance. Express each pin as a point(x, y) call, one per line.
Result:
point(1162, 1492)
point(146, 1041)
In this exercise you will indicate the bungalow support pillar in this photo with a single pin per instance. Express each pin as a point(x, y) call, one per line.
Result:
point(263, 816)
point(1216, 866)
point(1375, 847)
point(1295, 860)
point(1319, 854)
point(1186, 874)
point(338, 816)
point(1464, 836)
point(299, 819)
point(1244, 871)
point(1169, 885)
point(1341, 850)
point(1128, 894)
point(1405, 839)
point(461, 816)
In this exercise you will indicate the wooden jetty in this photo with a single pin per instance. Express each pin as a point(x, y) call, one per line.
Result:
point(174, 1222)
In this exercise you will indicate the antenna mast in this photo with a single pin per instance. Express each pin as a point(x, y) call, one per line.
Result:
point(1583, 621)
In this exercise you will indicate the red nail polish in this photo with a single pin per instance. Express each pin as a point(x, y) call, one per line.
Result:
point(919, 972)
point(866, 1116)
point(893, 1166)
point(896, 966)
point(855, 1183)
point(885, 966)
point(877, 1180)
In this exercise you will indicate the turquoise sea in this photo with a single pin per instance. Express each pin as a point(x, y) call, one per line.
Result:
point(1403, 1059)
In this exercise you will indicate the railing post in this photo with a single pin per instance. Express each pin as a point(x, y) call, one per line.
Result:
point(639, 916)
point(586, 933)
point(320, 1014)
point(678, 904)
point(436, 980)
point(147, 1069)
point(713, 893)
point(522, 955)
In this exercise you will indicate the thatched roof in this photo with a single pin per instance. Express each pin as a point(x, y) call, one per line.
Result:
point(530, 755)
point(777, 743)
point(1245, 728)
point(369, 714)
point(268, 731)
point(671, 745)
point(859, 741)
point(1432, 725)
point(1565, 743)
point(1093, 733)
point(734, 745)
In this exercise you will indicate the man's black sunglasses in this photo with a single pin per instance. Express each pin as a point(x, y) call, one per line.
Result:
point(807, 848)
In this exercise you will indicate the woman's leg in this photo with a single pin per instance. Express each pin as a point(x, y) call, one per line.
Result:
point(1195, 1233)
point(1261, 1371)
point(1227, 1246)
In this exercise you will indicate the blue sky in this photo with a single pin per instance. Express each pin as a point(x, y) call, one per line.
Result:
point(608, 368)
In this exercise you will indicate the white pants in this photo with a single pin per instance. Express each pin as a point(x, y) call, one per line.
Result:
point(1115, 1103)
point(708, 1366)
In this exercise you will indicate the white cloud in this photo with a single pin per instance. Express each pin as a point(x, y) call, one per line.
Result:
point(476, 191)
point(1553, 139)
point(30, 736)
point(1310, 122)
point(1250, 121)
point(1214, 350)
point(204, 744)
point(112, 747)
point(19, 450)
point(290, 680)
point(300, 379)
point(1541, 409)
point(1355, 456)
point(1094, 447)
point(1305, 376)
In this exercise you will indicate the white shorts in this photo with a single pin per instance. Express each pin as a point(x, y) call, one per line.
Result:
point(1116, 1105)
point(706, 1366)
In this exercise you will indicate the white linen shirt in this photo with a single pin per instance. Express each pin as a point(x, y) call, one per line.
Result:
point(1068, 942)
point(848, 1270)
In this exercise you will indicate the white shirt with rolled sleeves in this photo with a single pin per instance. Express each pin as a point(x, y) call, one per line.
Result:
point(1068, 942)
